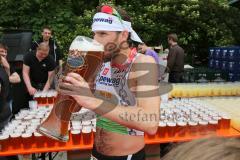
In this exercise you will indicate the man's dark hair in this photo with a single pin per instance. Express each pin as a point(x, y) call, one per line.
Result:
point(173, 37)
point(124, 17)
point(4, 46)
point(48, 28)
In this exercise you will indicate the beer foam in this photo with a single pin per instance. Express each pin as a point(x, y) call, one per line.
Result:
point(191, 123)
point(4, 136)
point(181, 123)
point(162, 124)
point(36, 134)
point(86, 129)
point(171, 124)
point(82, 43)
point(75, 131)
point(15, 135)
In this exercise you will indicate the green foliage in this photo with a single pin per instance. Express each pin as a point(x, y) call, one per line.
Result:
point(198, 23)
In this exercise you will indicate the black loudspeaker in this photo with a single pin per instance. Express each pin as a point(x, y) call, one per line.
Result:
point(18, 42)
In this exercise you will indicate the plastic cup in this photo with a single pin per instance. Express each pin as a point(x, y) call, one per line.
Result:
point(39, 139)
point(181, 128)
point(93, 121)
point(15, 122)
point(77, 127)
point(15, 140)
point(21, 127)
point(148, 136)
point(27, 140)
point(10, 127)
point(55, 93)
point(39, 116)
point(76, 123)
point(50, 98)
point(193, 128)
point(33, 113)
point(86, 123)
point(35, 121)
point(37, 97)
point(94, 128)
point(171, 129)
point(9, 130)
point(162, 130)
point(33, 105)
point(203, 127)
point(213, 124)
point(28, 118)
point(44, 98)
point(24, 112)
point(87, 135)
point(225, 122)
point(26, 123)
point(4, 138)
point(50, 142)
point(76, 137)
point(218, 119)
point(31, 130)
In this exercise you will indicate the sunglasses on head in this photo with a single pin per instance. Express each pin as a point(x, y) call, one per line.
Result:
point(110, 10)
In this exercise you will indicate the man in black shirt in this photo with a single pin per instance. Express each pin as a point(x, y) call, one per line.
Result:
point(5, 112)
point(54, 50)
point(7, 76)
point(13, 76)
point(38, 69)
point(175, 60)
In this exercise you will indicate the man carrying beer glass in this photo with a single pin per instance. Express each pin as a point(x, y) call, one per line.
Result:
point(127, 76)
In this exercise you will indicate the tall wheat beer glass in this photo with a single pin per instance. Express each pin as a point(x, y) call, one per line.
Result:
point(85, 58)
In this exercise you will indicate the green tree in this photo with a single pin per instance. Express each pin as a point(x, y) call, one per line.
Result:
point(198, 23)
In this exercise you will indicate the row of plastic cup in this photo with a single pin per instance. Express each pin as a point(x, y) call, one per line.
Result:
point(45, 97)
point(190, 116)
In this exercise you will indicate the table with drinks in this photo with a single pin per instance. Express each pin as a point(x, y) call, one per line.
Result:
point(182, 119)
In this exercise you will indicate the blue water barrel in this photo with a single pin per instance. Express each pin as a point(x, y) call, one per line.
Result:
point(238, 66)
point(238, 53)
point(224, 54)
point(232, 67)
point(211, 52)
point(217, 54)
point(217, 64)
point(232, 54)
point(233, 77)
point(211, 63)
point(224, 66)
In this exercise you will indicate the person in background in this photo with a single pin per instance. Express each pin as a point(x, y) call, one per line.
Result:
point(38, 69)
point(5, 77)
point(144, 49)
point(54, 50)
point(213, 149)
point(13, 75)
point(175, 60)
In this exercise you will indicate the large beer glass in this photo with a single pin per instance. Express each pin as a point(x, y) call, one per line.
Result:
point(85, 58)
